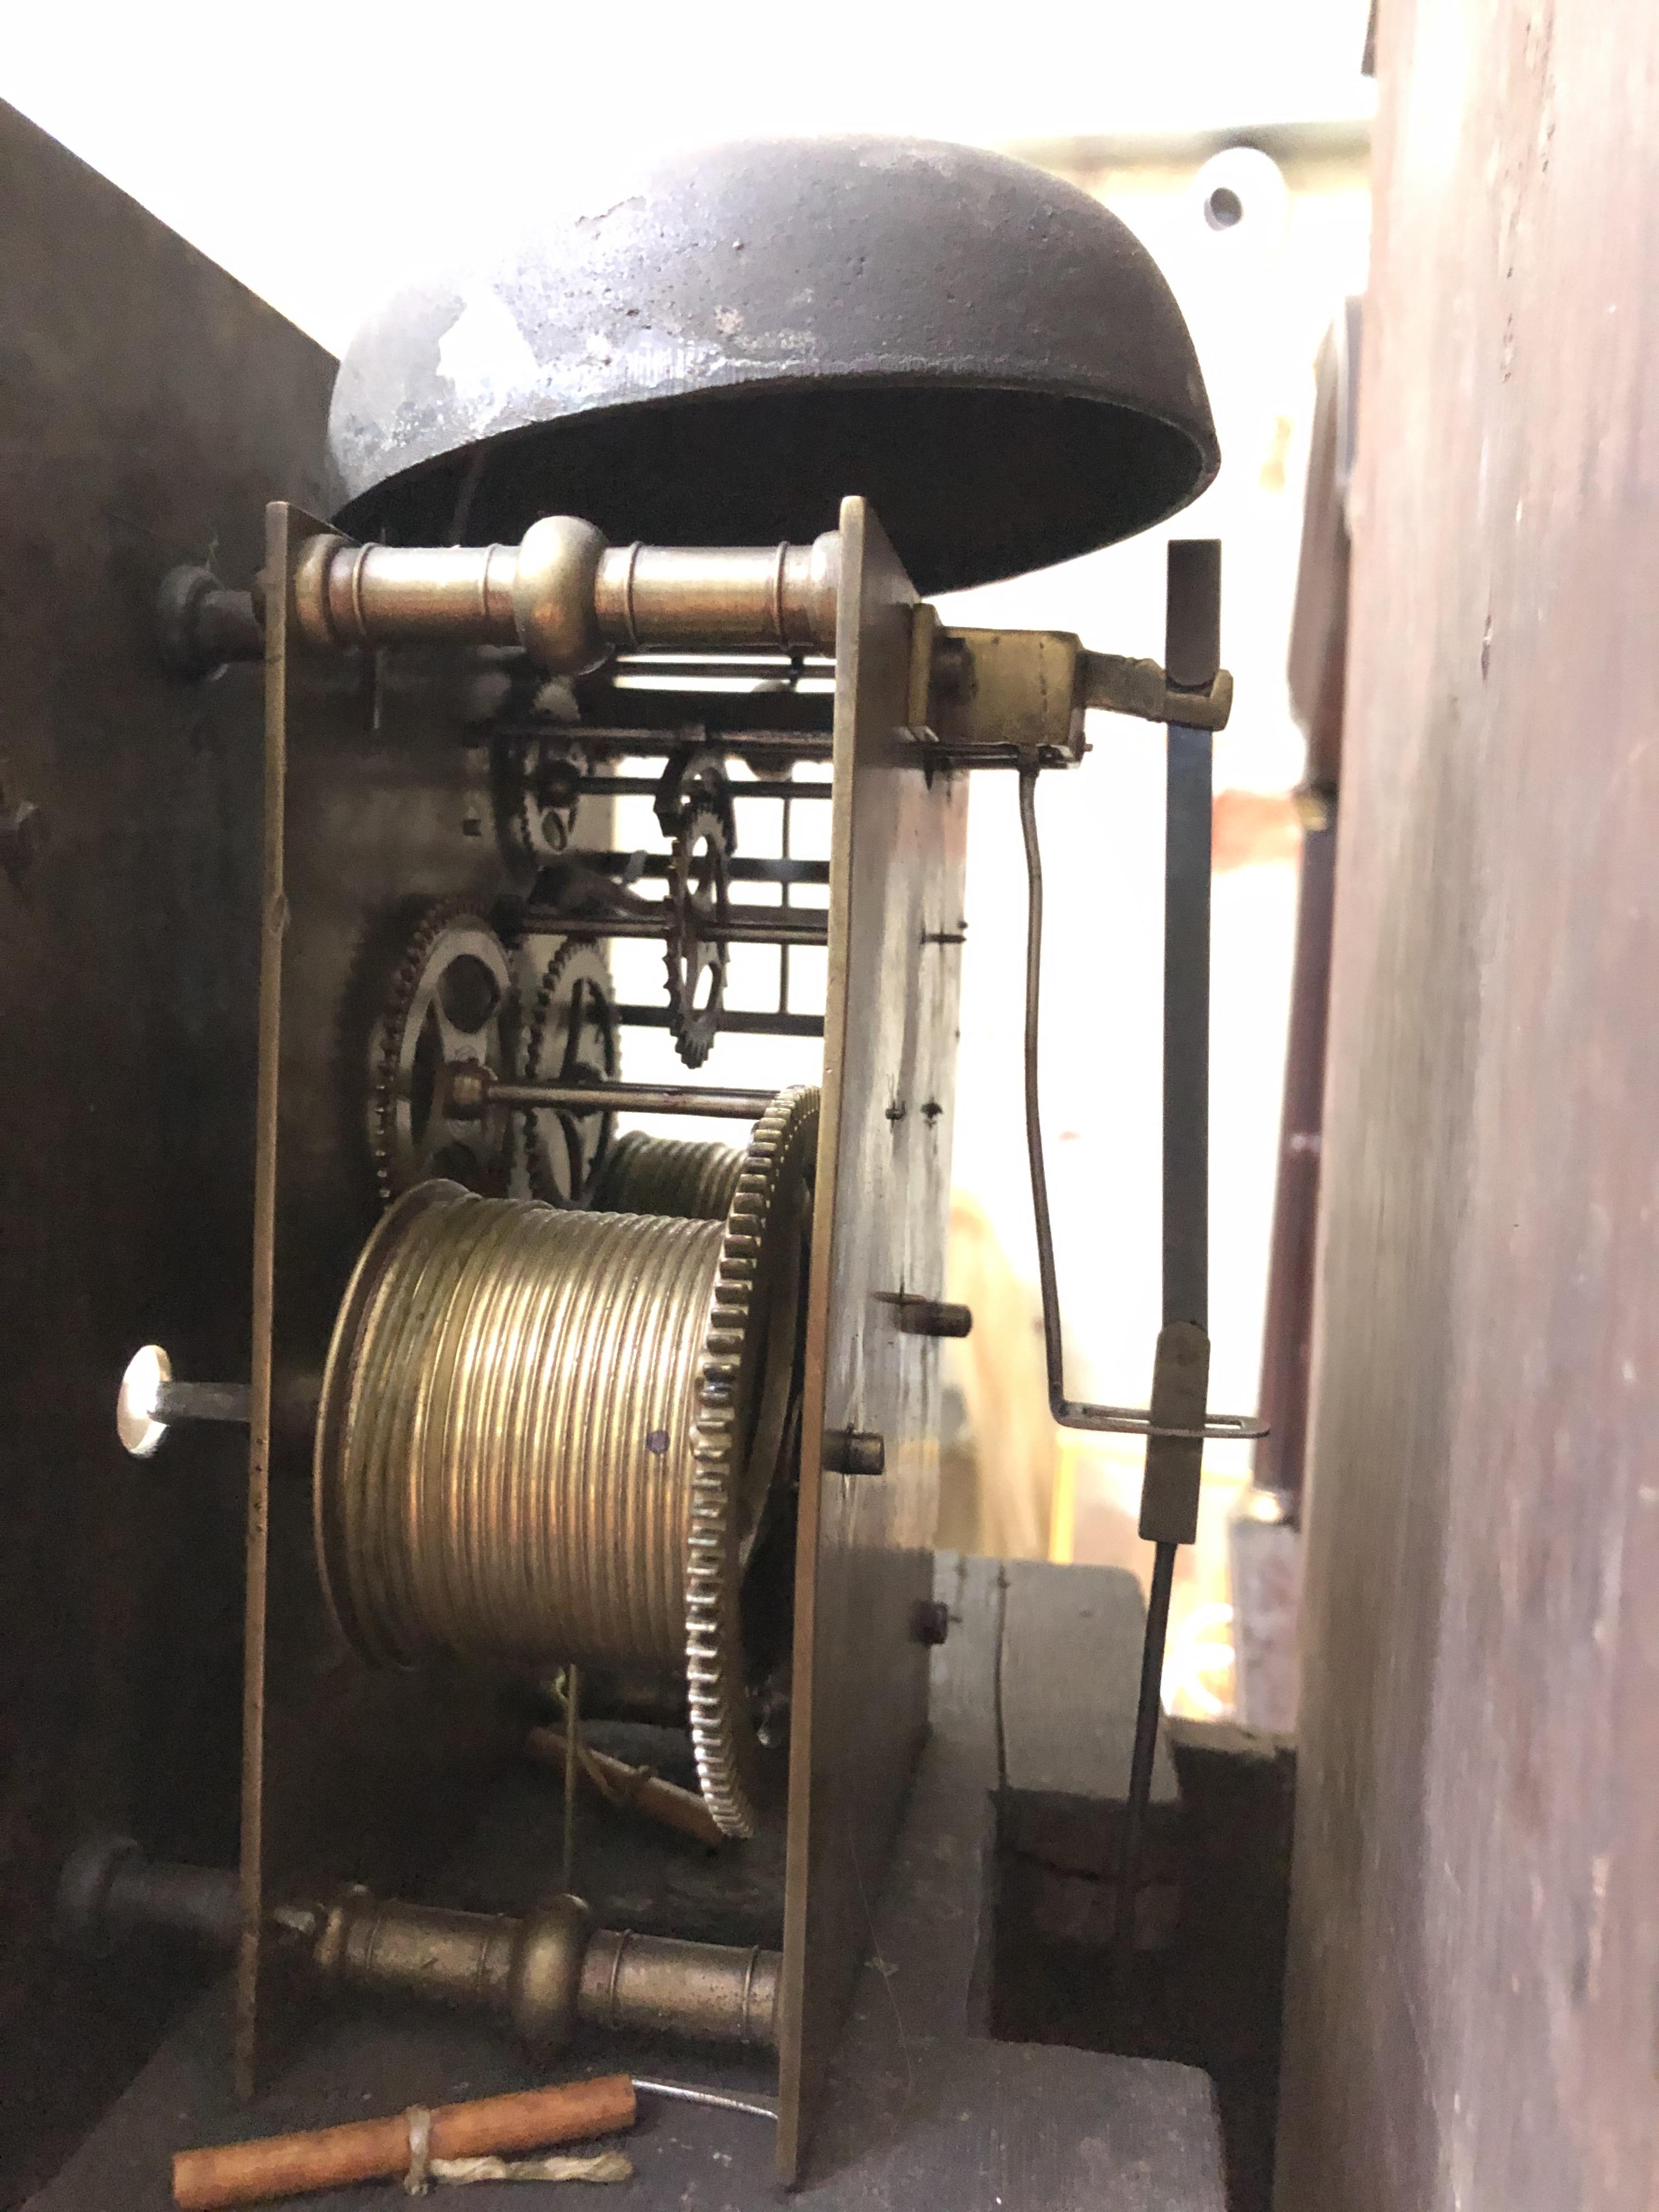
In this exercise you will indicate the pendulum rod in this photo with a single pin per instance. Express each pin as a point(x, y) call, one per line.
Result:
point(1178, 1420)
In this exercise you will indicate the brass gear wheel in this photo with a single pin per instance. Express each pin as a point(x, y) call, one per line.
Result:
point(699, 897)
point(570, 1037)
point(694, 775)
point(537, 788)
point(739, 1435)
point(451, 999)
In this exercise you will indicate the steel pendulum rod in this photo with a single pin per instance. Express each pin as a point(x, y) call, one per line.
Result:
point(1170, 1489)
point(1140, 1764)
point(1147, 1705)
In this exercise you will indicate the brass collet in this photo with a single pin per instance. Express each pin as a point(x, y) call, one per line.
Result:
point(548, 1971)
point(567, 597)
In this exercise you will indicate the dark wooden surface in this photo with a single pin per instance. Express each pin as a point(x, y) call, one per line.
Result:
point(1475, 1939)
point(1317, 658)
point(150, 406)
point(1205, 1986)
point(1064, 1758)
point(1085, 1630)
point(1317, 672)
point(1206, 1983)
point(920, 2108)
point(884, 1187)
point(1264, 1560)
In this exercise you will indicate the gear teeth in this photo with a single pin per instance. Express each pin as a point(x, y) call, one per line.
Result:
point(386, 1051)
point(539, 1169)
point(722, 1733)
point(693, 1029)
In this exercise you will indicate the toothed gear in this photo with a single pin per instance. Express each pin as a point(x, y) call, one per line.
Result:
point(537, 794)
point(745, 1388)
point(698, 900)
point(451, 1000)
point(570, 1037)
point(695, 776)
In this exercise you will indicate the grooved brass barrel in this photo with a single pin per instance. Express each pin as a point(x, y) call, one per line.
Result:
point(504, 1452)
point(547, 1435)
point(675, 1175)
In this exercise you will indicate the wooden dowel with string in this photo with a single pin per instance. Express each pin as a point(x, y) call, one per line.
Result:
point(380, 2150)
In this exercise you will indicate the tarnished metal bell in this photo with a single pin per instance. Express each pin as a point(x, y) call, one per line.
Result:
point(721, 355)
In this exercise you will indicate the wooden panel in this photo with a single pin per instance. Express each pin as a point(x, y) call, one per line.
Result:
point(1474, 1956)
point(150, 406)
point(865, 1555)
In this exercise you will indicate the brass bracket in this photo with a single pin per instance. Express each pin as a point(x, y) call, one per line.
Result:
point(995, 696)
point(1175, 1439)
point(991, 698)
